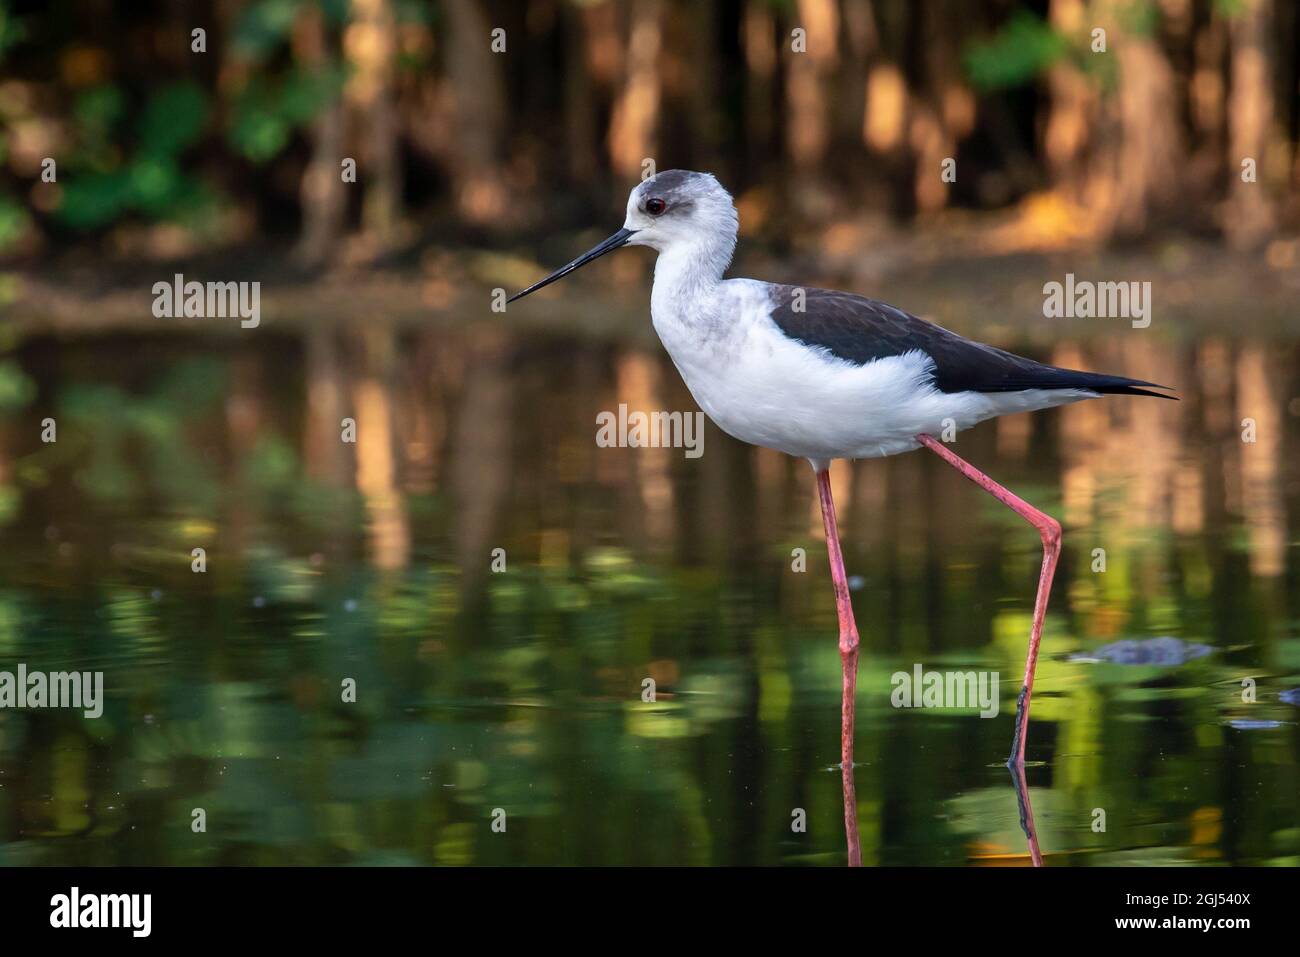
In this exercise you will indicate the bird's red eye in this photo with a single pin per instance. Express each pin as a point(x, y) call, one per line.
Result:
point(655, 206)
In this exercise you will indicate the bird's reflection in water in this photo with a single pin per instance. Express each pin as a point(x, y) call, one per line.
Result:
point(1026, 812)
point(851, 815)
point(1022, 801)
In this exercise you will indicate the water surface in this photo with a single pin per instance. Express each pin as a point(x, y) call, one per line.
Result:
point(522, 690)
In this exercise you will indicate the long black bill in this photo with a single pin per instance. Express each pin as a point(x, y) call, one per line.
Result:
point(620, 238)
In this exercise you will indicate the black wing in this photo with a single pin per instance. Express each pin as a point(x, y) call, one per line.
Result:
point(861, 330)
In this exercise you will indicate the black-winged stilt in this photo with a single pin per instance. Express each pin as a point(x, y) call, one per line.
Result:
point(826, 375)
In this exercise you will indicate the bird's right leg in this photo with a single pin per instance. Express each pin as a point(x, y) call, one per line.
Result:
point(1049, 530)
point(1026, 813)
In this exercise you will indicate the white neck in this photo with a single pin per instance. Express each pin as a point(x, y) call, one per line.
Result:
point(693, 267)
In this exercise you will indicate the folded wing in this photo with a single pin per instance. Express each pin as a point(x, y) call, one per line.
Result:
point(861, 330)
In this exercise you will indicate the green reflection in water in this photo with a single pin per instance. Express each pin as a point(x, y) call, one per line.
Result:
point(329, 562)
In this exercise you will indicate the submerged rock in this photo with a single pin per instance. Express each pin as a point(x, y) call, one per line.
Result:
point(1150, 651)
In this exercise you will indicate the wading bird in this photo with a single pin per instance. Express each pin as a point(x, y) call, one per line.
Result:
point(828, 375)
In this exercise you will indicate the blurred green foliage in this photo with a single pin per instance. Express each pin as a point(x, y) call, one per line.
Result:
point(266, 113)
point(17, 388)
point(267, 110)
point(101, 186)
point(142, 158)
point(12, 30)
point(1016, 54)
point(106, 428)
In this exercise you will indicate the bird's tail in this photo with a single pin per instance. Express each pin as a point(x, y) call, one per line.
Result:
point(1111, 384)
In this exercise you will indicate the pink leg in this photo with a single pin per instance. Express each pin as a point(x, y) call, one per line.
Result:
point(849, 660)
point(1050, 532)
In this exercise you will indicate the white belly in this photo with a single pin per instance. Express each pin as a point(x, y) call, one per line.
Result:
point(766, 389)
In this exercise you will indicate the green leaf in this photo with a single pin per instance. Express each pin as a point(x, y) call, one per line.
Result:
point(258, 133)
point(98, 109)
point(306, 93)
point(155, 184)
point(404, 11)
point(16, 387)
point(95, 199)
point(13, 222)
point(336, 12)
point(173, 119)
point(263, 26)
point(12, 30)
point(1016, 54)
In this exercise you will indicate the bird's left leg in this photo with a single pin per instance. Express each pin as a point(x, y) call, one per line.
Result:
point(844, 610)
point(848, 660)
point(1049, 530)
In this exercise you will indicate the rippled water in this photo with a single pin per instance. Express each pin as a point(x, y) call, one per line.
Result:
point(522, 690)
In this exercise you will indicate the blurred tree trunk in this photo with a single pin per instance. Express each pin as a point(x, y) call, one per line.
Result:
point(808, 111)
point(605, 52)
point(481, 471)
point(1207, 94)
point(706, 85)
point(1072, 106)
point(376, 447)
point(478, 91)
point(946, 111)
point(646, 489)
point(635, 123)
point(579, 100)
point(1249, 219)
point(761, 51)
point(887, 111)
point(1142, 158)
point(321, 192)
point(371, 46)
point(323, 451)
point(861, 49)
point(604, 60)
point(245, 417)
point(1286, 63)
point(1261, 397)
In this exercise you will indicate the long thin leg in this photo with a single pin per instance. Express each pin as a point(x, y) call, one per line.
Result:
point(1049, 530)
point(849, 660)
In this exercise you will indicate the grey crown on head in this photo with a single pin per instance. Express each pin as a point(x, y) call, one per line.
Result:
point(680, 187)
